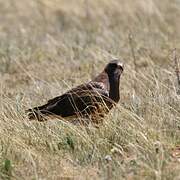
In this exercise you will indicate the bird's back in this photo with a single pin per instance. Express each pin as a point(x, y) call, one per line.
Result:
point(83, 100)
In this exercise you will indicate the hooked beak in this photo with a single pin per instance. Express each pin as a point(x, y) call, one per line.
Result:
point(121, 66)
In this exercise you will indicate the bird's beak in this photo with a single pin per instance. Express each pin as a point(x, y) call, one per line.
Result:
point(121, 66)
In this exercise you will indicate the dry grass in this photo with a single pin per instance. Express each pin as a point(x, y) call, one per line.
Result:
point(48, 46)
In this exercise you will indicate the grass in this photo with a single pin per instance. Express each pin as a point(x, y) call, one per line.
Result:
point(47, 47)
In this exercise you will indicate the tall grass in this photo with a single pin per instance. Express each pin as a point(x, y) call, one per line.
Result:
point(47, 47)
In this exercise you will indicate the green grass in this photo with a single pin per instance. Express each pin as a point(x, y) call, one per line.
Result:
point(47, 47)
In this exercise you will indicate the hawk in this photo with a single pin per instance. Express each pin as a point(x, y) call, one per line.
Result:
point(92, 99)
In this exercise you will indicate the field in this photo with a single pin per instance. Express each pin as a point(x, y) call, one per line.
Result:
point(50, 46)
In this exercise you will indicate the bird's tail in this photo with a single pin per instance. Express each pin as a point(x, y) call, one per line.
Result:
point(37, 113)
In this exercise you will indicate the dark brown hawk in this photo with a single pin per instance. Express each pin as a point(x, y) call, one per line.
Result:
point(91, 99)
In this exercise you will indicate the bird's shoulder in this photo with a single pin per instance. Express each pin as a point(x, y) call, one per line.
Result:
point(89, 87)
point(81, 90)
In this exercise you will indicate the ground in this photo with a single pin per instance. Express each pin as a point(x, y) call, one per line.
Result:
point(49, 46)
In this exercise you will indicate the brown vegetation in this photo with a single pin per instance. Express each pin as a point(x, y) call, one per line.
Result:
point(50, 46)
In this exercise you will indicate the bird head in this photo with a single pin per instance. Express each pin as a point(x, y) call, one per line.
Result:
point(114, 68)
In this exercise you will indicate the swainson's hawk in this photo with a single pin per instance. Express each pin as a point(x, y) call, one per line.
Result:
point(89, 99)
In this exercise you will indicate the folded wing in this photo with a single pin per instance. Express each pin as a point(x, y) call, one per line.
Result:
point(82, 100)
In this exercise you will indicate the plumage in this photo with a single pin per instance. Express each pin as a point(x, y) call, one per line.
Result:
point(89, 99)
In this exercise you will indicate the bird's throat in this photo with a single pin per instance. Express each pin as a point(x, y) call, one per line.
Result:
point(114, 88)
